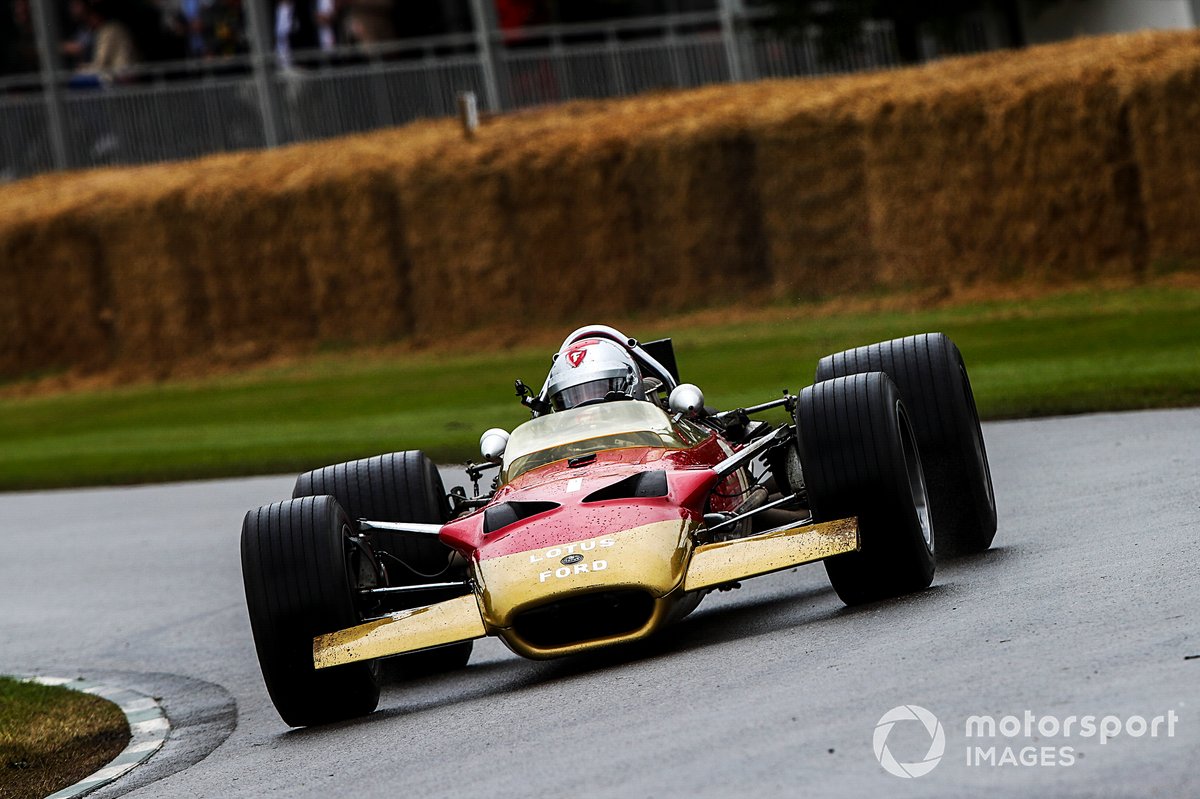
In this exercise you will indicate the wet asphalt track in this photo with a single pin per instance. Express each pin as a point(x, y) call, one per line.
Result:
point(1089, 604)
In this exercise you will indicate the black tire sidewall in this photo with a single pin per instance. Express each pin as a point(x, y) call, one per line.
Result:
point(393, 487)
point(931, 375)
point(849, 435)
point(297, 585)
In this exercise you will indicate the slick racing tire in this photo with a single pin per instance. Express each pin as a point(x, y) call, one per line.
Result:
point(296, 565)
point(860, 458)
point(397, 487)
point(932, 378)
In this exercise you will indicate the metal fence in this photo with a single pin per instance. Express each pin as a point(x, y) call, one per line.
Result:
point(175, 111)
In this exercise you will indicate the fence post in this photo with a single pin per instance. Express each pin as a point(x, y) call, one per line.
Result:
point(485, 23)
point(614, 63)
point(45, 24)
point(260, 45)
point(730, 13)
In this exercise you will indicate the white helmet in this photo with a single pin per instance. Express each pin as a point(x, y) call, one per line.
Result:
point(592, 370)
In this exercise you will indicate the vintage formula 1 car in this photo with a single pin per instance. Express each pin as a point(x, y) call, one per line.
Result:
point(616, 508)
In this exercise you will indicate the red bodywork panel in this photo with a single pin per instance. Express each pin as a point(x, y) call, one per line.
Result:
point(690, 479)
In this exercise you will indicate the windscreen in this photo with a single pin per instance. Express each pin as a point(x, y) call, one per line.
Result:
point(592, 428)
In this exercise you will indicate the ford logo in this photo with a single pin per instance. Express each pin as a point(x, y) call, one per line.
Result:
point(569, 559)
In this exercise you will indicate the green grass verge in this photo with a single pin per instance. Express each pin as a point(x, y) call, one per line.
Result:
point(53, 737)
point(1075, 352)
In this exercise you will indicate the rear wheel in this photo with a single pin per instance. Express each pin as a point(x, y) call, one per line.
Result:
point(398, 487)
point(297, 565)
point(860, 458)
point(932, 378)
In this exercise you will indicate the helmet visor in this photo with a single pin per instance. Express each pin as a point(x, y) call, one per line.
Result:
point(585, 393)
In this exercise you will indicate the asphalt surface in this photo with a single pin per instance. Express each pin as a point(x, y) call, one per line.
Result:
point(1088, 605)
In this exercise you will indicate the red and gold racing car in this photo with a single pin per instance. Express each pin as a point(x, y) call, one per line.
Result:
point(613, 511)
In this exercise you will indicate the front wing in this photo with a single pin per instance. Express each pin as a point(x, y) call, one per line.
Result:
point(711, 565)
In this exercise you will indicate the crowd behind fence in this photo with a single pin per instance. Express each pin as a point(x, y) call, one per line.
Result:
point(177, 110)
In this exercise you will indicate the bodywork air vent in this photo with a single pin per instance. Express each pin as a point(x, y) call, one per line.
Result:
point(500, 516)
point(637, 486)
point(580, 619)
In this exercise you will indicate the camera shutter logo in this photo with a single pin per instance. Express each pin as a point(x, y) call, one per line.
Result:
point(937, 744)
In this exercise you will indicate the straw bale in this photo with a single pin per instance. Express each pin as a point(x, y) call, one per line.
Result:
point(569, 224)
point(348, 242)
point(55, 297)
point(252, 282)
point(461, 270)
point(812, 180)
point(1024, 170)
point(1063, 162)
point(1066, 201)
point(153, 290)
point(697, 227)
point(1164, 125)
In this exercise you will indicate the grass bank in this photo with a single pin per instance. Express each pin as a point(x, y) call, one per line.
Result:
point(53, 737)
point(1069, 353)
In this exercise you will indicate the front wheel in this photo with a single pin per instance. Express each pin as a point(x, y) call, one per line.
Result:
point(398, 487)
point(297, 566)
point(860, 458)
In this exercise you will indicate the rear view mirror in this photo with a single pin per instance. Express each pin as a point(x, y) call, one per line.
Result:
point(687, 399)
point(492, 444)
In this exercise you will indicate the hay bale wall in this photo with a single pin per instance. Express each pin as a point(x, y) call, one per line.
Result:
point(1062, 162)
point(55, 297)
point(812, 182)
point(1164, 127)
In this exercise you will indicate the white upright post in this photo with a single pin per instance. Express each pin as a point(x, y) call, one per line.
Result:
point(730, 14)
point(259, 27)
point(45, 24)
point(485, 23)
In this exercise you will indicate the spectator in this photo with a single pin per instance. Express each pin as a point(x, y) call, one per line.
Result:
point(77, 47)
point(370, 21)
point(295, 28)
point(285, 26)
point(519, 13)
point(225, 28)
point(113, 49)
point(18, 52)
point(150, 23)
point(206, 28)
point(326, 24)
point(194, 13)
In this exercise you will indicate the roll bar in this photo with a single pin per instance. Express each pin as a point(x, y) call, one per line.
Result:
point(649, 363)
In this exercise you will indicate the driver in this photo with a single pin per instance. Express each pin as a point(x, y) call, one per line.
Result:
point(593, 370)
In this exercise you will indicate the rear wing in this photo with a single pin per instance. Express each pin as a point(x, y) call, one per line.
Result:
point(663, 351)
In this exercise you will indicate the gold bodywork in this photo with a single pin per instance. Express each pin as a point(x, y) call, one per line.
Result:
point(729, 561)
point(657, 558)
point(446, 622)
point(653, 556)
